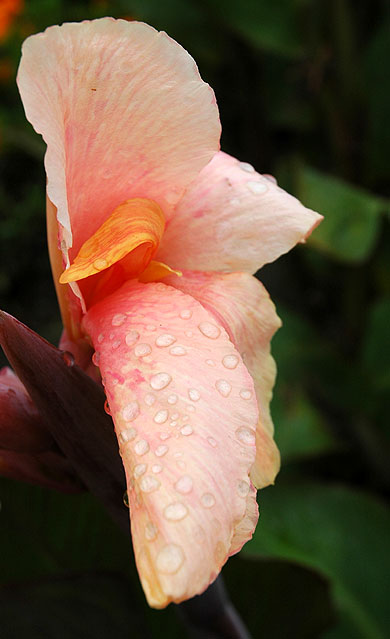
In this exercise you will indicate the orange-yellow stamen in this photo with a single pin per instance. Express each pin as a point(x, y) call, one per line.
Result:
point(132, 234)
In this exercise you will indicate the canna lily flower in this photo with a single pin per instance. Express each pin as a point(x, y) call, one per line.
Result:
point(153, 236)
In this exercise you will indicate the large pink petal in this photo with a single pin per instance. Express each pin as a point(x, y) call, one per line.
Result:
point(185, 413)
point(124, 114)
point(233, 219)
point(241, 303)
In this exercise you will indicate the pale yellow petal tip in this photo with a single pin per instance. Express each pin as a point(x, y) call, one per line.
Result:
point(156, 271)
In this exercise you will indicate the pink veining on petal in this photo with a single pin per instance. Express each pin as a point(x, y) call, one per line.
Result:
point(233, 219)
point(124, 114)
point(201, 441)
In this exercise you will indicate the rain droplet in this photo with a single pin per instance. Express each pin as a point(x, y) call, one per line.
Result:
point(184, 485)
point(170, 559)
point(118, 319)
point(172, 399)
point(223, 387)
point(149, 483)
point(126, 499)
point(185, 314)
point(68, 358)
point(212, 441)
point(243, 488)
point(209, 330)
point(142, 349)
point(151, 531)
point(96, 359)
point(230, 361)
point(245, 394)
point(161, 450)
point(127, 435)
point(139, 470)
point(186, 430)
point(176, 511)
point(246, 436)
point(141, 447)
point(107, 407)
point(160, 381)
point(131, 338)
point(100, 264)
point(194, 394)
point(149, 399)
point(161, 416)
point(177, 350)
point(130, 411)
point(257, 187)
point(245, 166)
point(166, 339)
point(208, 500)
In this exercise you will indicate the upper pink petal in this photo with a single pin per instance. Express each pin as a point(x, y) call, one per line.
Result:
point(241, 303)
point(124, 114)
point(233, 219)
point(186, 430)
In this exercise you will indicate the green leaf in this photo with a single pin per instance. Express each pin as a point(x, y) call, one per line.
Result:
point(339, 532)
point(351, 225)
point(376, 347)
point(300, 430)
point(272, 26)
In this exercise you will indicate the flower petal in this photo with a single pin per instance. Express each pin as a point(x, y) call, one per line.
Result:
point(21, 427)
point(241, 303)
point(233, 219)
point(124, 113)
point(186, 434)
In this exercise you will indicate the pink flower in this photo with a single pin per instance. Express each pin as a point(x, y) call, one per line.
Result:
point(136, 188)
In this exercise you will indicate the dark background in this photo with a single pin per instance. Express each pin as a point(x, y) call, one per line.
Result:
point(303, 92)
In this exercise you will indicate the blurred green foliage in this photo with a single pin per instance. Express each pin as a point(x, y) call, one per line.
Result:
point(303, 90)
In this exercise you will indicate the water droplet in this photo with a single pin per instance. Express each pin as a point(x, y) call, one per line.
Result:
point(166, 339)
point(184, 484)
point(209, 330)
point(116, 344)
point(149, 399)
point(170, 559)
point(164, 436)
point(127, 435)
point(245, 394)
point(208, 500)
point(160, 381)
point(243, 488)
point(68, 358)
point(161, 416)
point(177, 350)
point(118, 319)
point(161, 450)
point(246, 436)
point(223, 387)
point(131, 338)
point(107, 407)
point(151, 531)
point(142, 349)
point(172, 399)
point(186, 430)
point(173, 423)
point(100, 338)
point(100, 264)
point(141, 447)
point(185, 314)
point(126, 499)
point(150, 327)
point(230, 361)
point(156, 468)
point(149, 483)
point(210, 362)
point(175, 511)
point(257, 187)
point(194, 394)
point(130, 411)
point(175, 416)
point(212, 441)
point(189, 333)
point(139, 470)
point(245, 166)
point(270, 178)
point(96, 358)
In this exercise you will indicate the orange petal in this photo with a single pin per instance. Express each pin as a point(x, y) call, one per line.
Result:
point(156, 271)
point(134, 224)
point(242, 304)
point(174, 383)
